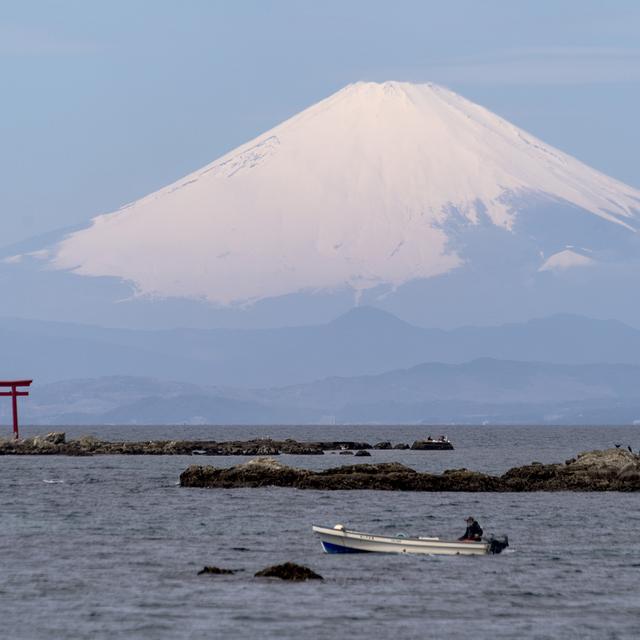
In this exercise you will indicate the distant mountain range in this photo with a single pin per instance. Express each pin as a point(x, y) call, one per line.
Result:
point(365, 366)
point(365, 341)
point(484, 390)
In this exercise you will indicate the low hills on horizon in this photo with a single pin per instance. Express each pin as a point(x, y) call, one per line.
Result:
point(481, 391)
point(363, 341)
point(365, 366)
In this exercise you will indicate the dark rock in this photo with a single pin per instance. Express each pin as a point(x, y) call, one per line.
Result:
point(289, 571)
point(55, 443)
point(372, 469)
point(363, 453)
point(610, 470)
point(343, 445)
point(382, 445)
point(216, 571)
point(346, 453)
point(401, 445)
point(292, 447)
point(259, 472)
point(432, 445)
point(77, 452)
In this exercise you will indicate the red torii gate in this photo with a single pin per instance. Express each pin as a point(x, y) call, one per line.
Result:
point(14, 393)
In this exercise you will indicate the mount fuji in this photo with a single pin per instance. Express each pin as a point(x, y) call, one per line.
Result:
point(406, 196)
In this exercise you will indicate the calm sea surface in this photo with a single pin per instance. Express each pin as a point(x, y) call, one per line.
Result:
point(109, 547)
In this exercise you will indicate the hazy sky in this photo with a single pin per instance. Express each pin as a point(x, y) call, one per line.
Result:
point(103, 102)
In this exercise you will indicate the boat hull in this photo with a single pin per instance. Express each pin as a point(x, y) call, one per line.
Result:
point(345, 541)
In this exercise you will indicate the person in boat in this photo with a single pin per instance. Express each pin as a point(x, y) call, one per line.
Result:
point(473, 532)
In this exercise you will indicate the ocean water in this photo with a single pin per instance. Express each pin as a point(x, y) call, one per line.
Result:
point(110, 547)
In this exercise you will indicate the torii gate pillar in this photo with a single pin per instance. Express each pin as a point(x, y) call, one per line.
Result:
point(14, 393)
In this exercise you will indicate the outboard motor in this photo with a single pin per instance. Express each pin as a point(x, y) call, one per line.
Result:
point(496, 545)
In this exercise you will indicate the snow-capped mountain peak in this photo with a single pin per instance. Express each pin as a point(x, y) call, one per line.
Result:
point(361, 189)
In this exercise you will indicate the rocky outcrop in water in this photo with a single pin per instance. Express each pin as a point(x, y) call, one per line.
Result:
point(441, 444)
point(390, 476)
point(55, 443)
point(609, 470)
point(289, 571)
point(216, 571)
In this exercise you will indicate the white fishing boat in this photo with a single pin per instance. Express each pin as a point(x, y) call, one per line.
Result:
point(338, 539)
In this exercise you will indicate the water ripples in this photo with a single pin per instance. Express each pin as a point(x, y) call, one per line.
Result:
point(113, 551)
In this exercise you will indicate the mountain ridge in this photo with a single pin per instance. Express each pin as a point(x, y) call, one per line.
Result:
point(484, 390)
point(366, 341)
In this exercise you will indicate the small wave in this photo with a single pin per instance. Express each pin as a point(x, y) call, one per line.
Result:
point(53, 481)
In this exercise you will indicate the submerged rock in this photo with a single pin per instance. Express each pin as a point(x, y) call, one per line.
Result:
point(610, 470)
point(216, 571)
point(363, 453)
point(289, 571)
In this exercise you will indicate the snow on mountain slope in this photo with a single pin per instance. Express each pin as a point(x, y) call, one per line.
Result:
point(354, 192)
point(565, 260)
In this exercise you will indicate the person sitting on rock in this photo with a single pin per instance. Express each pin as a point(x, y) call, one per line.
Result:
point(473, 532)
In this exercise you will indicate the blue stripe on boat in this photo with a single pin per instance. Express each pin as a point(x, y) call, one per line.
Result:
point(329, 547)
